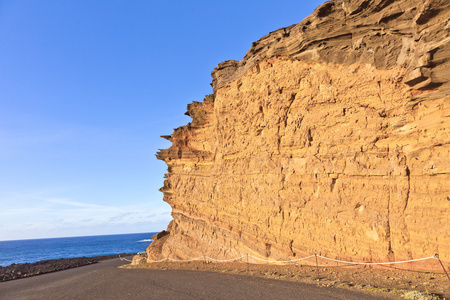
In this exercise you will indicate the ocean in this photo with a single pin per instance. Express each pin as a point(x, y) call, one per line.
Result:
point(29, 251)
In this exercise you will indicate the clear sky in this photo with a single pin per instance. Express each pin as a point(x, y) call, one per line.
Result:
point(86, 89)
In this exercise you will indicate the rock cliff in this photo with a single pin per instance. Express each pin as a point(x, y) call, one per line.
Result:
point(331, 136)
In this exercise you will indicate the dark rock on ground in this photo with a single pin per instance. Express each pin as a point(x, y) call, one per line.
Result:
point(16, 271)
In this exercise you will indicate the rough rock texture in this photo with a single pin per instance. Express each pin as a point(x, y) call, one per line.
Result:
point(331, 136)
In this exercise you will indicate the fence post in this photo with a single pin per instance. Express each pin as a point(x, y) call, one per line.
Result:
point(317, 267)
point(437, 256)
point(248, 266)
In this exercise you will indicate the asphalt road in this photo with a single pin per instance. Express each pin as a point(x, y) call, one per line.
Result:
point(104, 281)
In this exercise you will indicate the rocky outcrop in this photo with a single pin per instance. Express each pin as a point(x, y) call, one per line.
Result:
point(384, 33)
point(331, 136)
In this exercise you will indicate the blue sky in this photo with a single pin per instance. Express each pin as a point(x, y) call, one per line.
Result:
point(86, 90)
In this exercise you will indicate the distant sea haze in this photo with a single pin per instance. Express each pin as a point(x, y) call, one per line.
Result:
point(29, 251)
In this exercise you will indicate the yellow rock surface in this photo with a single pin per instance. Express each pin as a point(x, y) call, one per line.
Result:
point(296, 156)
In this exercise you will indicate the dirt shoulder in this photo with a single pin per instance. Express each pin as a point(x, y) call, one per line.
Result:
point(385, 281)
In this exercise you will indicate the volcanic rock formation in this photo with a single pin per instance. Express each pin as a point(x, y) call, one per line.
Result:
point(331, 136)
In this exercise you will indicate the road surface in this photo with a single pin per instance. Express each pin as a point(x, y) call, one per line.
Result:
point(105, 281)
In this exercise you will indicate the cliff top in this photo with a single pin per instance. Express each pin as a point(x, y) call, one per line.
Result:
point(413, 34)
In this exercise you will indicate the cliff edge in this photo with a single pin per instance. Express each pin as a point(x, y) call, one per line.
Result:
point(331, 136)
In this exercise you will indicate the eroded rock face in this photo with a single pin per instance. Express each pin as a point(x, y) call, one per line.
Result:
point(384, 33)
point(330, 136)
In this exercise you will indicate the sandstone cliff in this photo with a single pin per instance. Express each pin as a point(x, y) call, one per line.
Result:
point(330, 136)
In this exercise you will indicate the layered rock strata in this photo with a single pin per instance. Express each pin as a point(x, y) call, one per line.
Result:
point(331, 136)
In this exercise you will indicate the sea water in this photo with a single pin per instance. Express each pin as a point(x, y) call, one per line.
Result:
point(29, 251)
